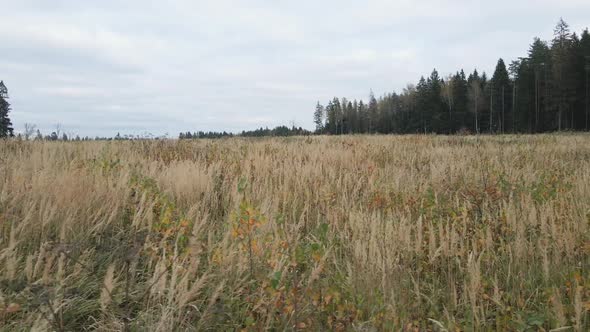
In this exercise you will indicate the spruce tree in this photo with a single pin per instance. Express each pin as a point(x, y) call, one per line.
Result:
point(330, 118)
point(435, 106)
point(5, 124)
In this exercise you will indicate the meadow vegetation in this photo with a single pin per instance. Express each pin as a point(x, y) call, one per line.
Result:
point(351, 233)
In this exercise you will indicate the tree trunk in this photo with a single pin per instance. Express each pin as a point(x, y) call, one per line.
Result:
point(587, 99)
point(491, 108)
point(476, 125)
point(536, 101)
point(513, 111)
point(503, 106)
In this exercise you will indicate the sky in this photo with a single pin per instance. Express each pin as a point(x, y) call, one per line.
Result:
point(140, 66)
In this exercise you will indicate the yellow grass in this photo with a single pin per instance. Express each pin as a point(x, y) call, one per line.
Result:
point(363, 233)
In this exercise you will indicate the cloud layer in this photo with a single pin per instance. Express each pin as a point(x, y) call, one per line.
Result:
point(145, 66)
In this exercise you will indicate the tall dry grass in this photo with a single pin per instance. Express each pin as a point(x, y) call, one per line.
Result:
point(361, 233)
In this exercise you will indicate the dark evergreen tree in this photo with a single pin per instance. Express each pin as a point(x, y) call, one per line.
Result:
point(330, 126)
point(350, 118)
point(372, 113)
point(577, 112)
point(355, 125)
point(563, 74)
point(337, 109)
point(435, 107)
point(462, 118)
point(5, 123)
point(501, 96)
point(363, 117)
point(540, 65)
point(475, 96)
point(584, 56)
point(422, 114)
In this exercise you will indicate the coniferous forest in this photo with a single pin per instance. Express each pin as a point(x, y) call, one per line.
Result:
point(545, 90)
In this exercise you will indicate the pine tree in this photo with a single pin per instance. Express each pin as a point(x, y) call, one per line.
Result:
point(5, 123)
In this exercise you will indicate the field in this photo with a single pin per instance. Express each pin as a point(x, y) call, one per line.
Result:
point(357, 233)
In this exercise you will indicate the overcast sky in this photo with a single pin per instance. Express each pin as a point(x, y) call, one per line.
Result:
point(135, 66)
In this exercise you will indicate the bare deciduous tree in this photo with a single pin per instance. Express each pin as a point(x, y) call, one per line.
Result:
point(30, 129)
point(447, 92)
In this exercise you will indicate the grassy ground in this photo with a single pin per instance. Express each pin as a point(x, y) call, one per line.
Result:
point(363, 233)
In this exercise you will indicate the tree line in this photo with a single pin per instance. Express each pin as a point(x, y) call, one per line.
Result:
point(547, 90)
point(280, 131)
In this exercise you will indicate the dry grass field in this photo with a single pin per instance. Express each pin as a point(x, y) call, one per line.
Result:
point(359, 233)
